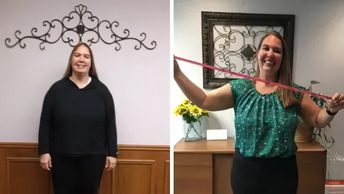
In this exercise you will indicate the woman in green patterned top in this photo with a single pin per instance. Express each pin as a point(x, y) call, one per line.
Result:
point(266, 118)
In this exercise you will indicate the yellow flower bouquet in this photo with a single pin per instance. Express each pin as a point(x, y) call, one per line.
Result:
point(190, 112)
point(192, 115)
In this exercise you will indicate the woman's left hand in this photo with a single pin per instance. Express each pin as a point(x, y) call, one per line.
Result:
point(110, 163)
point(336, 103)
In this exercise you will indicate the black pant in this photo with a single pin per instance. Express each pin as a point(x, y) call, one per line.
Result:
point(264, 175)
point(77, 174)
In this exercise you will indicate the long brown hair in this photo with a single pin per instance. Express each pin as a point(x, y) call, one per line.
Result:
point(284, 74)
point(92, 72)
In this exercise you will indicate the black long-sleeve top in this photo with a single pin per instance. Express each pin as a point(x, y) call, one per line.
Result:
point(78, 121)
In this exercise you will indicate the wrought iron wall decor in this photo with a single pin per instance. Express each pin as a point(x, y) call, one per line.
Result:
point(230, 41)
point(80, 25)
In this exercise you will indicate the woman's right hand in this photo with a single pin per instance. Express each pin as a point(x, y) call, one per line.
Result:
point(218, 99)
point(176, 68)
point(45, 161)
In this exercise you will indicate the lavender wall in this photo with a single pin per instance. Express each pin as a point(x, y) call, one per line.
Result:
point(138, 80)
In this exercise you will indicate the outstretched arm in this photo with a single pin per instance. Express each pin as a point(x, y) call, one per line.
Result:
point(218, 99)
point(318, 117)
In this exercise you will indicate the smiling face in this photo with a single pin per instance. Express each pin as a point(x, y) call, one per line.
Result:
point(81, 61)
point(269, 57)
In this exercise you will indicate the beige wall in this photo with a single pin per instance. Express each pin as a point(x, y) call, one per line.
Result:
point(318, 49)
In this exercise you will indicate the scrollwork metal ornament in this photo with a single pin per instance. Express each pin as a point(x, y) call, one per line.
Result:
point(235, 47)
point(230, 42)
point(80, 26)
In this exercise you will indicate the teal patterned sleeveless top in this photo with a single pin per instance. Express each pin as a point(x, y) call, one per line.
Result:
point(264, 128)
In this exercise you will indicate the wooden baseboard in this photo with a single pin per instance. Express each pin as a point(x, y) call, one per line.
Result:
point(141, 169)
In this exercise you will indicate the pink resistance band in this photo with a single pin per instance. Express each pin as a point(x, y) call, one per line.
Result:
point(256, 79)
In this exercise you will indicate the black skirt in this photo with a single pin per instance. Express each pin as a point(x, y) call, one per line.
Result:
point(264, 175)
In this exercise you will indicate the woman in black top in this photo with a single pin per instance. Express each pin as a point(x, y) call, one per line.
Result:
point(77, 133)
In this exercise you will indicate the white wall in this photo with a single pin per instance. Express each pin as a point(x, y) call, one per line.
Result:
point(138, 80)
point(318, 47)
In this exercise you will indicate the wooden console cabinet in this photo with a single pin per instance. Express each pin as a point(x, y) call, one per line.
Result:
point(203, 167)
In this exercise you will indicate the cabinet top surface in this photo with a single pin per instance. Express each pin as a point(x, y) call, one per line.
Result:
point(227, 146)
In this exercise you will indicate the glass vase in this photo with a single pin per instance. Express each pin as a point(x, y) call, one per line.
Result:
point(193, 131)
